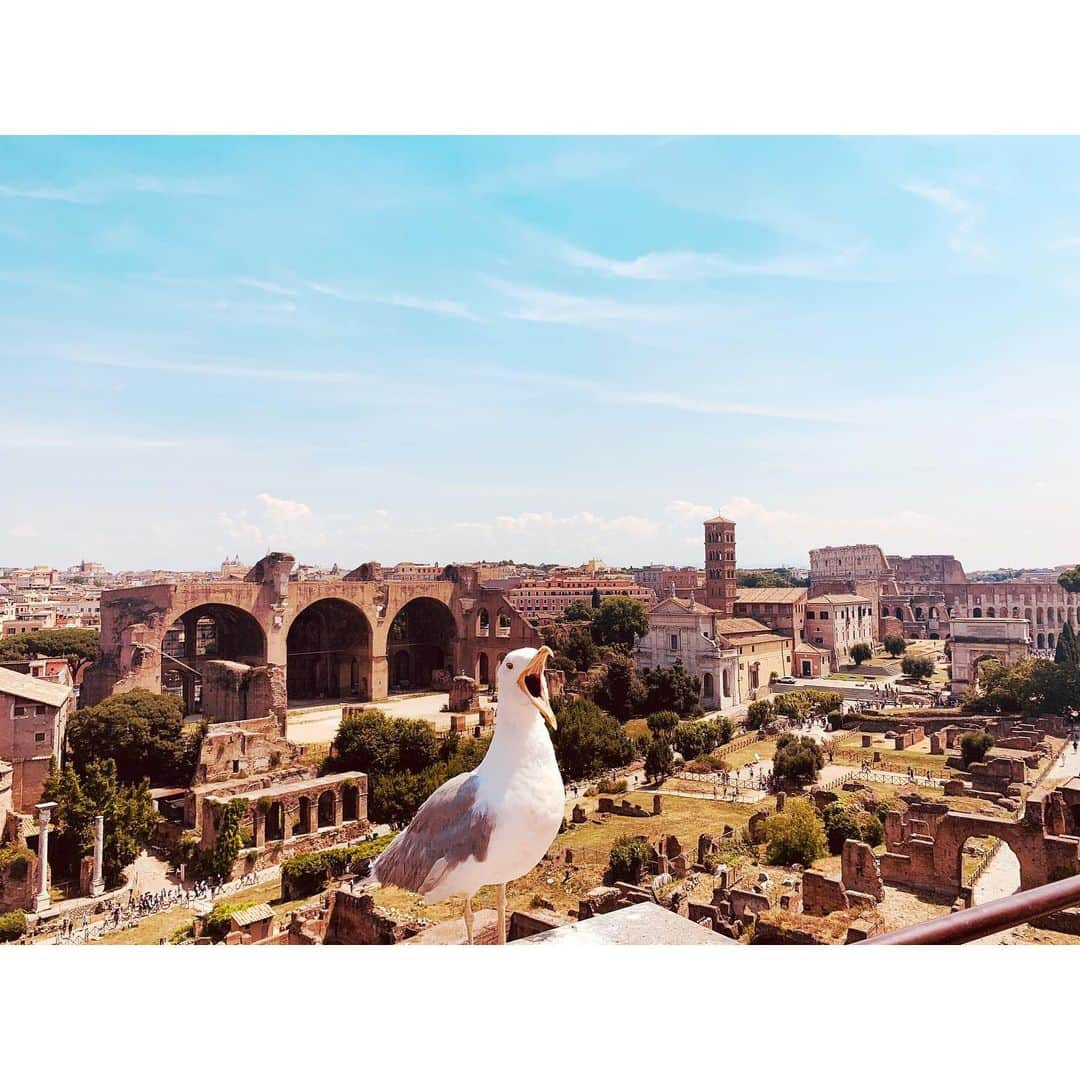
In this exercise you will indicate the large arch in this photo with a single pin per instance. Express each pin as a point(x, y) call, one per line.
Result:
point(328, 651)
point(421, 642)
point(202, 633)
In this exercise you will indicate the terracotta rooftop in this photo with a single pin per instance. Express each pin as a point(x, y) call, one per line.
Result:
point(770, 596)
point(719, 521)
point(838, 598)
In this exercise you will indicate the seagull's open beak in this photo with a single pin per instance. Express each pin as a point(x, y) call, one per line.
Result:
point(534, 685)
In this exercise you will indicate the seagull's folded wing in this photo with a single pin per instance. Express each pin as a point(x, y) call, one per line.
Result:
point(448, 829)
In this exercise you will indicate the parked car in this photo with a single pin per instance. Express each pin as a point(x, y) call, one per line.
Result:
point(787, 680)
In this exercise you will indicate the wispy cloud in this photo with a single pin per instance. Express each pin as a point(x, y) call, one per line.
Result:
point(88, 192)
point(964, 214)
point(451, 308)
point(542, 305)
point(46, 194)
point(44, 439)
point(700, 403)
point(220, 370)
point(698, 265)
point(271, 287)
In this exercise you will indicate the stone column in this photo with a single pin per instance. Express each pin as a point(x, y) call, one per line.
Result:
point(258, 828)
point(42, 900)
point(97, 885)
point(339, 803)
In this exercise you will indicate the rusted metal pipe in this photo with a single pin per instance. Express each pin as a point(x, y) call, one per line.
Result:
point(960, 927)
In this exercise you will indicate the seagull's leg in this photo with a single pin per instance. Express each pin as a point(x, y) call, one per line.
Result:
point(468, 920)
point(501, 910)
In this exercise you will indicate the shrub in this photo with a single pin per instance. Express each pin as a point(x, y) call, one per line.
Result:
point(871, 830)
point(894, 644)
point(611, 787)
point(795, 835)
point(840, 824)
point(303, 875)
point(973, 746)
point(836, 720)
point(15, 862)
point(628, 858)
point(918, 667)
point(12, 925)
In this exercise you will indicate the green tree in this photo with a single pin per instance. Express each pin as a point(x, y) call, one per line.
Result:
point(918, 667)
point(662, 724)
point(659, 760)
point(588, 740)
point(797, 759)
point(577, 611)
point(372, 742)
point(620, 621)
point(795, 835)
point(596, 601)
point(580, 648)
point(672, 689)
point(129, 813)
point(759, 712)
point(139, 730)
point(894, 644)
point(1070, 579)
point(973, 746)
point(1067, 650)
point(619, 690)
point(75, 645)
point(861, 652)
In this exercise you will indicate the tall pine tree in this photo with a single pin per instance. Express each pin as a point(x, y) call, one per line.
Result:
point(1067, 650)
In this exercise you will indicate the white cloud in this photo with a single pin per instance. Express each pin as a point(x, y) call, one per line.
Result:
point(696, 265)
point(280, 511)
point(684, 510)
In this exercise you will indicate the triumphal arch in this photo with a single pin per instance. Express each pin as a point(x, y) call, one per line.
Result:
point(237, 650)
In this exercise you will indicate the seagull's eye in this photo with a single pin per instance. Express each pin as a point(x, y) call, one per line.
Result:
point(509, 667)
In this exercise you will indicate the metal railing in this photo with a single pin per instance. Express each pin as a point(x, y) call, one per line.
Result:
point(971, 924)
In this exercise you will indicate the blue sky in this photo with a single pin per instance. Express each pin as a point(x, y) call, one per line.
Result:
point(544, 349)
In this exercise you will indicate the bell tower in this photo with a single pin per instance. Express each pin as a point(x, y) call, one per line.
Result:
point(720, 583)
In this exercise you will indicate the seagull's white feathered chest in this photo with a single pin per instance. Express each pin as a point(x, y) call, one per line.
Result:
point(526, 802)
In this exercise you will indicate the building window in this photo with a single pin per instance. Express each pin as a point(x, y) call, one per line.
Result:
point(20, 710)
point(674, 642)
point(39, 736)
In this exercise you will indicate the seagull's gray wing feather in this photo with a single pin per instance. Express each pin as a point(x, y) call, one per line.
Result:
point(447, 829)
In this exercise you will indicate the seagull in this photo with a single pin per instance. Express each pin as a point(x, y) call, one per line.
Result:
point(494, 824)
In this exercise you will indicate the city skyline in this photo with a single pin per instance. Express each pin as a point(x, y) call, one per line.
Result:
point(541, 349)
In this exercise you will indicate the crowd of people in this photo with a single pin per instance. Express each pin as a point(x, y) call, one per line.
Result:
point(126, 910)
